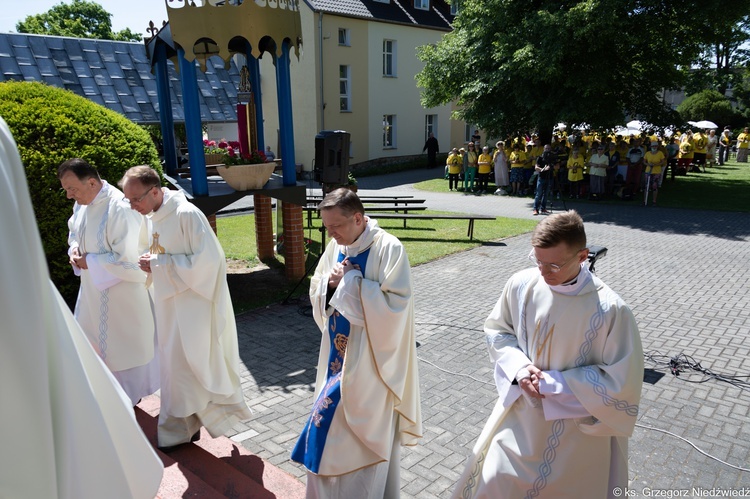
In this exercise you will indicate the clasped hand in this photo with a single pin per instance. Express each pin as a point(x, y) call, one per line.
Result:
point(530, 385)
point(78, 260)
point(339, 270)
point(144, 262)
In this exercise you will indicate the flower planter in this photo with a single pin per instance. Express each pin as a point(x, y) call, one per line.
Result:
point(213, 159)
point(246, 177)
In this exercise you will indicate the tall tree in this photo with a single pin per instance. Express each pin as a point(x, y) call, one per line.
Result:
point(725, 51)
point(525, 64)
point(707, 105)
point(79, 19)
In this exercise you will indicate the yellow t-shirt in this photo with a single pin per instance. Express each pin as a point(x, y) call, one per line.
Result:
point(454, 162)
point(686, 150)
point(575, 168)
point(743, 140)
point(701, 143)
point(653, 158)
point(485, 163)
point(517, 159)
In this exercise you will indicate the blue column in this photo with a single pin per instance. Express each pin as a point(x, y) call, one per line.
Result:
point(165, 109)
point(286, 125)
point(253, 67)
point(193, 129)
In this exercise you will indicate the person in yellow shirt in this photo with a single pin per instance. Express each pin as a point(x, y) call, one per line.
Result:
point(700, 142)
point(454, 163)
point(517, 160)
point(575, 172)
point(485, 167)
point(743, 142)
point(654, 160)
point(686, 153)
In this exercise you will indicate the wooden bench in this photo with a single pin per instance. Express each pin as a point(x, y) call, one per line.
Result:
point(415, 216)
point(379, 200)
point(385, 210)
point(315, 197)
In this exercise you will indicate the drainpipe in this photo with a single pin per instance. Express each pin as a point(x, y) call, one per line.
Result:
point(320, 55)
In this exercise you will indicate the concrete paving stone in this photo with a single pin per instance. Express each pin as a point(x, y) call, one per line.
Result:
point(416, 486)
point(425, 472)
point(441, 487)
point(285, 438)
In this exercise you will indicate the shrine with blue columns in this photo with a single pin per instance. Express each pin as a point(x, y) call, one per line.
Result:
point(193, 34)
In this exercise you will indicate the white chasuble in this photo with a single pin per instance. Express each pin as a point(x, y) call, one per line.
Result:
point(379, 380)
point(113, 306)
point(68, 430)
point(590, 341)
point(195, 320)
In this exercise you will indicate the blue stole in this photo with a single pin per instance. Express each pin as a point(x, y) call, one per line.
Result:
point(312, 441)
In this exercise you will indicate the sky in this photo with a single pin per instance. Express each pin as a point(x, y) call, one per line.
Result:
point(133, 14)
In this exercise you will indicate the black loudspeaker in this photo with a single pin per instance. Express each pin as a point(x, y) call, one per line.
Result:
point(332, 157)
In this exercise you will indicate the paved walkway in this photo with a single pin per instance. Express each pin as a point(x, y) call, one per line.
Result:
point(683, 272)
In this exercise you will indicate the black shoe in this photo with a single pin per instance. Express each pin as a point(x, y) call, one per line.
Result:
point(171, 448)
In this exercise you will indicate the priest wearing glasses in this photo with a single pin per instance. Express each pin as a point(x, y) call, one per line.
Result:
point(568, 366)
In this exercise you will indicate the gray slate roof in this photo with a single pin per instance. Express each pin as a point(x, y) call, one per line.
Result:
point(396, 11)
point(116, 75)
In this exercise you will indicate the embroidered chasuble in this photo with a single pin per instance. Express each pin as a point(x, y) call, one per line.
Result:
point(373, 400)
point(309, 448)
point(574, 442)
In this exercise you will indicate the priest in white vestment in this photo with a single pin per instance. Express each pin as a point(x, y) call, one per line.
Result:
point(367, 400)
point(105, 240)
point(197, 333)
point(568, 369)
point(68, 430)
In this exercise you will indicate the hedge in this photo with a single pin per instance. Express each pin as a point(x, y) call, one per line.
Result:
point(52, 125)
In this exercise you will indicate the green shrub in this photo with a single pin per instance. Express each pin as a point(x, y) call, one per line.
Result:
point(52, 125)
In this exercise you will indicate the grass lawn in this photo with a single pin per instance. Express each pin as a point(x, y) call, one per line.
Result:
point(721, 188)
point(424, 240)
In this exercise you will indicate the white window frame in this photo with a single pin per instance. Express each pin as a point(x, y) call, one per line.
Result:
point(389, 55)
point(467, 132)
point(345, 96)
point(422, 4)
point(389, 131)
point(344, 41)
point(430, 125)
point(455, 7)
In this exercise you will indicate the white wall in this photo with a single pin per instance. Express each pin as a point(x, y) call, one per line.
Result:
point(218, 131)
point(400, 95)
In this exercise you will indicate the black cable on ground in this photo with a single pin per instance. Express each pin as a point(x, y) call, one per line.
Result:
point(683, 366)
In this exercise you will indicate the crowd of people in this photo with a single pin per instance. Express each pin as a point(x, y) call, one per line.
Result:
point(588, 164)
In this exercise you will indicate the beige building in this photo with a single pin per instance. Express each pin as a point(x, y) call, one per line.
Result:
point(357, 73)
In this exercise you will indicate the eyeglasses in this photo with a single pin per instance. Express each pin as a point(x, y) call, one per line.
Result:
point(138, 200)
point(553, 267)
